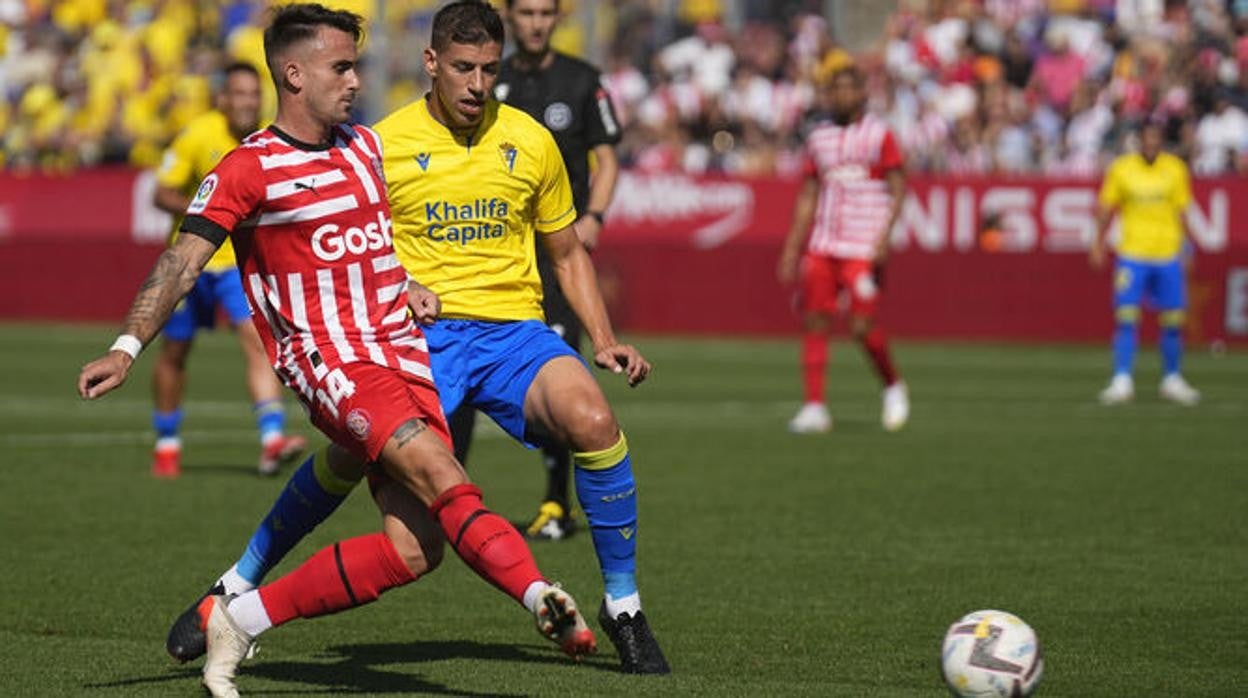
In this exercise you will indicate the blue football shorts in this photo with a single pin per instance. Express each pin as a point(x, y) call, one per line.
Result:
point(1159, 284)
point(212, 289)
point(490, 365)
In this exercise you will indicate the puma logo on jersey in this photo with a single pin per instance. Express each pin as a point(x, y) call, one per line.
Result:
point(422, 159)
point(309, 185)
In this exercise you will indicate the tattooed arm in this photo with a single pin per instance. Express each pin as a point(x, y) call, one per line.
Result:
point(172, 277)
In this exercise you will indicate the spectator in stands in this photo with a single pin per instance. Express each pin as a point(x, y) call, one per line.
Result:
point(1221, 138)
point(1058, 72)
point(686, 86)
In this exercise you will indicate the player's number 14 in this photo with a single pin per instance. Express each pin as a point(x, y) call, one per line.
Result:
point(336, 387)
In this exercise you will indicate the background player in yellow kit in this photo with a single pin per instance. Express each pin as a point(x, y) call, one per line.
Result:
point(193, 154)
point(471, 182)
point(1151, 189)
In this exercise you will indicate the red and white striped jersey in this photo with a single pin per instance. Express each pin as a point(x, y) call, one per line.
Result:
point(850, 163)
point(312, 230)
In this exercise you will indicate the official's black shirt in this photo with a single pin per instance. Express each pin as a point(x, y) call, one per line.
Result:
point(566, 97)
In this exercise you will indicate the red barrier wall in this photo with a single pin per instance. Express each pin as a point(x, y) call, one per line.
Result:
point(697, 255)
point(683, 254)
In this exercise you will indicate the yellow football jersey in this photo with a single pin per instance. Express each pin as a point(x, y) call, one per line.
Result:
point(191, 156)
point(466, 209)
point(1151, 199)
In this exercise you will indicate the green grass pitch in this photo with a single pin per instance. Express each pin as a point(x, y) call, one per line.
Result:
point(770, 564)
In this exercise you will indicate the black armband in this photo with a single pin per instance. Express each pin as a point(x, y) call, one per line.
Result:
point(204, 228)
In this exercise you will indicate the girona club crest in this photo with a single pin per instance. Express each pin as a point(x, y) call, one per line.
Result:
point(359, 423)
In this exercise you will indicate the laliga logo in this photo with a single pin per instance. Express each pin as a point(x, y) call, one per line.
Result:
point(330, 245)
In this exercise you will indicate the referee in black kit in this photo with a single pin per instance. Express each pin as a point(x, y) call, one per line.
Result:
point(566, 96)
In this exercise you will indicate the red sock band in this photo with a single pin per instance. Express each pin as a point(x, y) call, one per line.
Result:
point(876, 346)
point(490, 545)
point(347, 574)
point(814, 365)
point(469, 489)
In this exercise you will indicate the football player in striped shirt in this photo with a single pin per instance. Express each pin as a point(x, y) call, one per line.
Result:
point(843, 217)
point(305, 203)
point(472, 182)
point(195, 151)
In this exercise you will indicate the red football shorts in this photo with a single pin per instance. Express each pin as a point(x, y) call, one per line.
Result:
point(371, 404)
point(824, 279)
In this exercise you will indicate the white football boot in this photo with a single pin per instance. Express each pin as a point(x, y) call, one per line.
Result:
point(227, 646)
point(813, 418)
point(1177, 390)
point(1121, 390)
point(896, 410)
point(559, 621)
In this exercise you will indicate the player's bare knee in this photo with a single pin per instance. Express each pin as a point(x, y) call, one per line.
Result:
point(859, 326)
point(816, 322)
point(174, 354)
point(594, 429)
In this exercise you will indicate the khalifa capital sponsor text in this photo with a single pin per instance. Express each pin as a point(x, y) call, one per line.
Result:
point(664, 199)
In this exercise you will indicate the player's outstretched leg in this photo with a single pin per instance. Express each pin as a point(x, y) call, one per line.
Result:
point(420, 459)
point(347, 574)
point(496, 551)
point(313, 493)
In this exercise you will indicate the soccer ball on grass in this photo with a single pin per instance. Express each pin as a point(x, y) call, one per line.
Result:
point(991, 653)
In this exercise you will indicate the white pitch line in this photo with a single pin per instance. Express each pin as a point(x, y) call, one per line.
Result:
point(723, 415)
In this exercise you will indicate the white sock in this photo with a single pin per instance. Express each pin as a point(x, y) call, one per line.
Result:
point(169, 443)
point(630, 604)
point(234, 582)
point(533, 594)
point(249, 614)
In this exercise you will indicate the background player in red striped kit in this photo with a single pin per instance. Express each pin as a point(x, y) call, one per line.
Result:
point(843, 217)
point(305, 203)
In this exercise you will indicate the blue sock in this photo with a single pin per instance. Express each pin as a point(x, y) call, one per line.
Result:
point(167, 424)
point(605, 488)
point(1171, 349)
point(311, 495)
point(270, 419)
point(1124, 348)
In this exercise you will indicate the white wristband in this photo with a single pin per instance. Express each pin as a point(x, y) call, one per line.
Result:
point(129, 344)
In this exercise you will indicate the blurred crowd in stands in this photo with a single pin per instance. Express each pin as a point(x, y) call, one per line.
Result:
point(971, 87)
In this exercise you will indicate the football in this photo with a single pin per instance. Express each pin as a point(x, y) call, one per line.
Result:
point(991, 653)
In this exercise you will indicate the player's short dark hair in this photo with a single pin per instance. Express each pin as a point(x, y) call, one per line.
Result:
point(466, 22)
point(299, 22)
point(239, 67)
point(510, 3)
